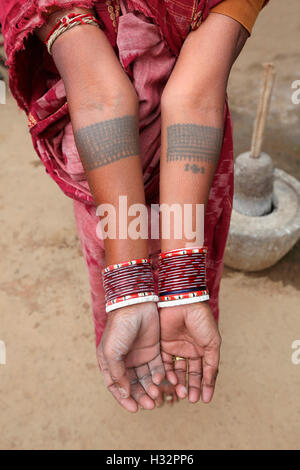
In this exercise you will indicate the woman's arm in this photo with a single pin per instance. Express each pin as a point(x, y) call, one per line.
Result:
point(192, 109)
point(243, 11)
point(101, 100)
point(103, 107)
point(195, 95)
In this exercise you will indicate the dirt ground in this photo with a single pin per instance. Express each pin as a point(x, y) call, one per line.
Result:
point(51, 393)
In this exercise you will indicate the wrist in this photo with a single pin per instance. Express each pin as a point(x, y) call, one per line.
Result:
point(128, 283)
point(138, 309)
point(182, 277)
point(119, 251)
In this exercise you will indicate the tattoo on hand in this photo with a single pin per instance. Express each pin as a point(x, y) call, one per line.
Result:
point(105, 142)
point(193, 143)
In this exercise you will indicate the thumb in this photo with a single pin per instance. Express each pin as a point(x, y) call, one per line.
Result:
point(117, 370)
point(119, 335)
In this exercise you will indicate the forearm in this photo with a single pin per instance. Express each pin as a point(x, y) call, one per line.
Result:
point(107, 140)
point(103, 108)
point(191, 143)
point(193, 114)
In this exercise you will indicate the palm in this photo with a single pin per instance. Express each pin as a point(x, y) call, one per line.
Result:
point(129, 355)
point(186, 330)
point(146, 346)
point(190, 331)
point(176, 338)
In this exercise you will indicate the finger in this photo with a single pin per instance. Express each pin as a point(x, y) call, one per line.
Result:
point(180, 371)
point(117, 371)
point(138, 393)
point(159, 400)
point(169, 367)
point(103, 366)
point(195, 379)
point(144, 375)
point(169, 393)
point(157, 369)
point(128, 403)
point(210, 371)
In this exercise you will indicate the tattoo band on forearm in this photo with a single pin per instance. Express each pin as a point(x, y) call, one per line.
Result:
point(193, 143)
point(105, 142)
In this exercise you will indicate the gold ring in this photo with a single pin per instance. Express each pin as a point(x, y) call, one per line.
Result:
point(178, 358)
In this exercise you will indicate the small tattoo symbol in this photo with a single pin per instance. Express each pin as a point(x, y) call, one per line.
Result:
point(194, 168)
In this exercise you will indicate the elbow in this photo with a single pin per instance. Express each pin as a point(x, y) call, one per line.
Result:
point(92, 101)
point(204, 99)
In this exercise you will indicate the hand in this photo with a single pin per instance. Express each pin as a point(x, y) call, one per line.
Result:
point(190, 331)
point(129, 355)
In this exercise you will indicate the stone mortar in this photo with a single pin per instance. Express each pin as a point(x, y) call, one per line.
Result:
point(256, 243)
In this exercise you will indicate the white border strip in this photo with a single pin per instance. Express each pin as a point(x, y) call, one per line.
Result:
point(191, 300)
point(136, 300)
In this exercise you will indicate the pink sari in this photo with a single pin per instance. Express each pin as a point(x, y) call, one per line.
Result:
point(158, 28)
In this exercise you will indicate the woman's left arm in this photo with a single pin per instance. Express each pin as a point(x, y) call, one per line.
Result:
point(195, 95)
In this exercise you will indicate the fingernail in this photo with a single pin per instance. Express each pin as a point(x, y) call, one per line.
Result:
point(183, 391)
point(123, 392)
point(172, 380)
point(157, 379)
point(206, 395)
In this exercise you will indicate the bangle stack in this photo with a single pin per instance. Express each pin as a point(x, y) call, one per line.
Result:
point(182, 277)
point(128, 283)
point(181, 280)
point(67, 22)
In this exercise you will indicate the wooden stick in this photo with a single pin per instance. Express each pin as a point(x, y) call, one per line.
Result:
point(262, 110)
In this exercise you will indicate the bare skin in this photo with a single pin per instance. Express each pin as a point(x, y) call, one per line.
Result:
point(192, 111)
point(101, 96)
point(102, 101)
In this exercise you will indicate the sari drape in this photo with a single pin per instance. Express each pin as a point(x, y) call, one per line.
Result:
point(158, 29)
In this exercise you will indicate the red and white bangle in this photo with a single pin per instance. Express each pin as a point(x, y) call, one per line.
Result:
point(128, 283)
point(182, 276)
point(67, 22)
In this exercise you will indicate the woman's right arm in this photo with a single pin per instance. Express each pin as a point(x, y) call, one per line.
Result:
point(103, 107)
point(102, 100)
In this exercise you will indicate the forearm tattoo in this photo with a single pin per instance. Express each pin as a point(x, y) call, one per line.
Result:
point(193, 143)
point(105, 142)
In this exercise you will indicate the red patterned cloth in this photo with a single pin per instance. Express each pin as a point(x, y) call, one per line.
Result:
point(158, 28)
